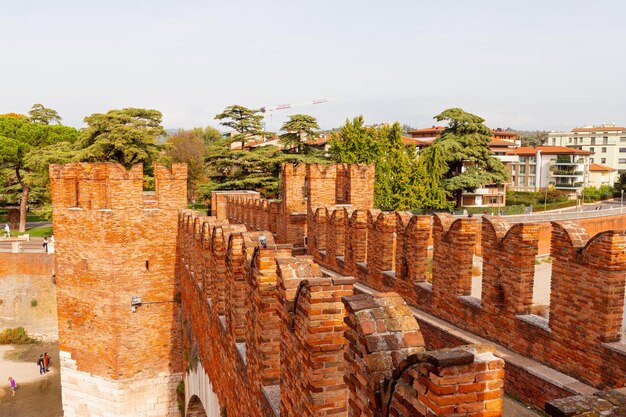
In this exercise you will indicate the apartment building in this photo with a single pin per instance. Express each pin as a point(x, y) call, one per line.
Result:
point(549, 166)
point(606, 141)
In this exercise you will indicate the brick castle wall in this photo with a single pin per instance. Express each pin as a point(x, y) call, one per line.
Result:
point(583, 334)
point(279, 344)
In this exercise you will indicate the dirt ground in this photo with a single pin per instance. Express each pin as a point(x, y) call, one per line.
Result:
point(36, 395)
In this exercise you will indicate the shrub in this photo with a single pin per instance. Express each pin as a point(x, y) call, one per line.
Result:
point(33, 303)
point(16, 336)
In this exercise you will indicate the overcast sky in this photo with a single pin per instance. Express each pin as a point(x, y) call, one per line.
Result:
point(524, 64)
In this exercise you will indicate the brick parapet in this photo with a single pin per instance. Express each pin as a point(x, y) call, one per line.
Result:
point(389, 372)
point(312, 339)
point(587, 277)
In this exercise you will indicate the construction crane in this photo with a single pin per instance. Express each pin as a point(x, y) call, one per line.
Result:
point(271, 109)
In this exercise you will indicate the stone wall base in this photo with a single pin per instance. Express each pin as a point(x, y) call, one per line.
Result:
point(197, 383)
point(87, 395)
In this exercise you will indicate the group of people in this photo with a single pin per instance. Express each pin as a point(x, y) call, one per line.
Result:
point(44, 363)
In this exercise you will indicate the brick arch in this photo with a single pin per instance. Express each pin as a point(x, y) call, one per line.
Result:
point(195, 408)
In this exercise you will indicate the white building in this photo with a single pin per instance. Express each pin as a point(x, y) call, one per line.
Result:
point(600, 175)
point(542, 167)
point(606, 141)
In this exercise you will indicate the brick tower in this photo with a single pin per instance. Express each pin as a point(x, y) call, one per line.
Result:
point(118, 301)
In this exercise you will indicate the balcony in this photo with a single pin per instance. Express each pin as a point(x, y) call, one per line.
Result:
point(566, 173)
point(495, 191)
point(568, 185)
point(567, 160)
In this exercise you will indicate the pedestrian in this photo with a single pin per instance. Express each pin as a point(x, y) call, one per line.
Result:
point(12, 385)
point(45, 244)
point(46, 362)
point(193, 203)
point(7, 230)
point(42, 367)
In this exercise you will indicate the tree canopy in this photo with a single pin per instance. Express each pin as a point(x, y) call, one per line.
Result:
point(43, 115)
point(127, 136)
point(464, 148)
point(355, 143)
point(299, 129)
point(188, 146)
point(401, 181)
point(21, 140)
point(246, 122)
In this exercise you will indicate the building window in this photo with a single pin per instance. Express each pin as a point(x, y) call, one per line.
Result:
point(531, 181)
point(622, 149)
point(554, 141)
point(605, 140)
point(522, 169)
point(622, 139)
point(592, 149)
point(603, 150)
point(603, 161)
point(593, 141)
point(621, 161)
point(532, 170)
point(570, 140)
point(591, 160)
point(575, 141)
point(520, 181)
point(522, 159)
point(532, 159)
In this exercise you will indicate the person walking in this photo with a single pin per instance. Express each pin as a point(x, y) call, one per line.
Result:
point(12, 385)
point(40, 362)
point(46, 362)
point(7, 230)
point(45, 244)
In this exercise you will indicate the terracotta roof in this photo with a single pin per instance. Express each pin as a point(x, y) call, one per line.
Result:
point(428, 129)
point(548, 150)
point(598, 129)
point(416, 142)
point(598, 167)
point(502, 142)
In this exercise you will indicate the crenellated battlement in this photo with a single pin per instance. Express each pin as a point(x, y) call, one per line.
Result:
point(277, 335)
point(93, 186)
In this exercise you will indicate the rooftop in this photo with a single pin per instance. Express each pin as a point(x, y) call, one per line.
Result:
point(598, 167)
point(548, 150)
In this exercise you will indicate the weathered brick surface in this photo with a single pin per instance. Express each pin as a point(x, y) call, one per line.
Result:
point(312, 341)
point(113, 242)
point(131, 252)
point(388, 371)
point(611, 403)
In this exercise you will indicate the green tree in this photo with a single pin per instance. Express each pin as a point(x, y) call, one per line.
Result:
point(128, 136)
point(188, 147)
point(431, 170)
point(209, 134)
point(19, 139)
point(257, 169)
point(355, 143)
point(397, 185)
point(246, 122)
point(533, 138)
point(300, 128)
point(400, 182)
point(40, 114)
point(465, 147)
